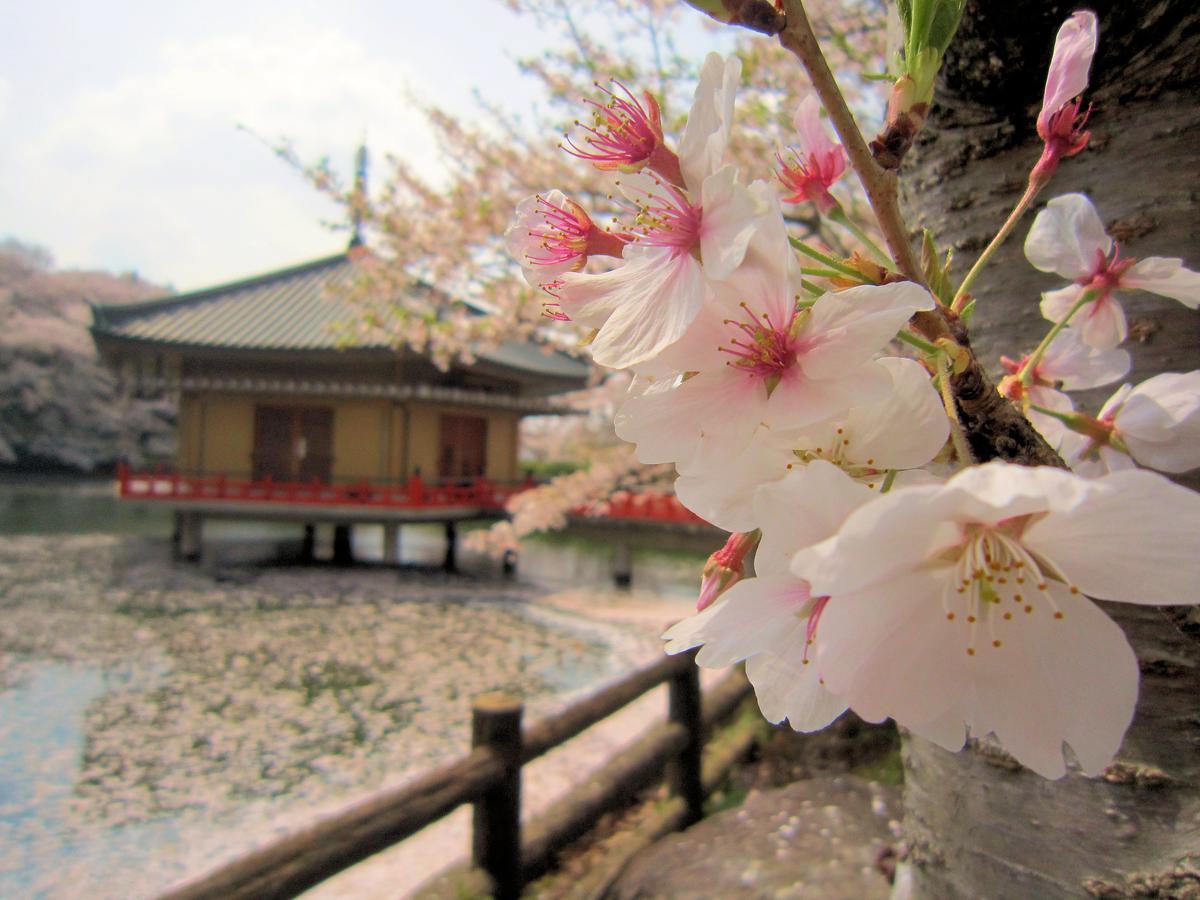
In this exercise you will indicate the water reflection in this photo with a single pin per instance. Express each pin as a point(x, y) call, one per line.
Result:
point(156, 719)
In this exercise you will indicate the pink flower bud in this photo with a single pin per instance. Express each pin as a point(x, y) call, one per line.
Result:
point(816, 165)
point(726, 567)
point(1062, 119)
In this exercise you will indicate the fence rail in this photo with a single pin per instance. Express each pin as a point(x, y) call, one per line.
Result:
point(489, 777)
point(416, 493)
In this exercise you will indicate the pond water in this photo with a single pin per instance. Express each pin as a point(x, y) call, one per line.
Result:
point(157, 718)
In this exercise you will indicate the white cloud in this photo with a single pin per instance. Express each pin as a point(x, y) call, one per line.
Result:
point(150, 169)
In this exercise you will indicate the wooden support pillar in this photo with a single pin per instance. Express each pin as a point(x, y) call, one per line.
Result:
point(496, 835)
point(683, 774)
point(391, 544)
point(343, 549)
point(450, 563)
point(622, 562)
point(191, 536)
point(308, 547)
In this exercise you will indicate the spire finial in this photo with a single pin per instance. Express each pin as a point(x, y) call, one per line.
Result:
point(359, 194)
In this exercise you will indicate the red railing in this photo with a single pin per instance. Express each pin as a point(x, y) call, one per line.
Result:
point(415, 494)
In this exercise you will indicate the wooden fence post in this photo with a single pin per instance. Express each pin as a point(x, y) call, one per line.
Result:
point(496, 838)
point(683, 775)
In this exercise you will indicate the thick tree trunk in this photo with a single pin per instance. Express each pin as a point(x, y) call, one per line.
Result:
point(978, 824)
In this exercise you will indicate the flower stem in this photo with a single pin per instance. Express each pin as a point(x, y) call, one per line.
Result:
point(829, 261)
point(920, 343)
point(838, 215)
point(1025, 375)
point(830, 273)
point(879, 184)
point(961, 449)
point(813, 288)
point(1065, 418)
point(1010, 223)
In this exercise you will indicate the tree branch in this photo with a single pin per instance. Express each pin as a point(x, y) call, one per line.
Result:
point(797, 37)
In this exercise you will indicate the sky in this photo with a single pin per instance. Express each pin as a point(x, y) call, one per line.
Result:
point(119, 139)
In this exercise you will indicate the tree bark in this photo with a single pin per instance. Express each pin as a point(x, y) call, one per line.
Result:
point(977, 823)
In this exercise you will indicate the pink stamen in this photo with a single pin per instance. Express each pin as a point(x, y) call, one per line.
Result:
point(626, 136)
point(568, 235)
point(667, 218)
point(550, 308)
point(1065, 136)
point(767, 350)
point(809, 179)
point(814, 618)
point(1105, 276)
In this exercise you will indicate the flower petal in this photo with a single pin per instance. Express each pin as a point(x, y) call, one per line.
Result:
point(807, 506)
point(1129, 536)
point(700, 423)
point(907, 429)
point(1067, 77)
point(847, 328)
point(640, 307)
point(730, 215)
point(725, 497)
point(1066, 237)
point(1103, 325)
point(706, 134)
point(889, 650)
point(1079, 367)
point(788, 689)
point(1054, 679)
point(745, 621)
point(1166, 277)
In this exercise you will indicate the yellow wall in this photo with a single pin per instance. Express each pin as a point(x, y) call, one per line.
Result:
point(360, 435)
point(502, 446)
point(189, 433)
point(372, 438)
point(227, 434)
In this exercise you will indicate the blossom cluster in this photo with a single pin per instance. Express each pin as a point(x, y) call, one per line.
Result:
point(959, 606)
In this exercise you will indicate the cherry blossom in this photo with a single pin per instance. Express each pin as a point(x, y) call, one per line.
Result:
point(553, 235)
point(1156, 425)
point(626, 135)
point(686, 237)
point(1061, 122)
point(771, 620)
point(1067, 365)
point(1068, 238)
point(765, 363)
point(963, 606)
point(903, 429)
point(819, 162)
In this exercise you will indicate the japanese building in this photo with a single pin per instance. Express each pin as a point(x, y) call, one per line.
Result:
point(278, 420)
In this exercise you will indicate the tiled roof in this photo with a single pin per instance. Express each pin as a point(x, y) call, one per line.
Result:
point(298, 308)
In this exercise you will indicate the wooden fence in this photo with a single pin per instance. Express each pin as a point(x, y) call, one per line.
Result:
point(489, 777)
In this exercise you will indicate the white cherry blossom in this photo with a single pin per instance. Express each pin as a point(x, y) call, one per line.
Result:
point(965, 606)
point(1068, 238)
point(903, 429)
point(686, 237)
point(1156, 423)
point(771, 620)
point(552, 235)
point(767, 365)
point(1067, 365)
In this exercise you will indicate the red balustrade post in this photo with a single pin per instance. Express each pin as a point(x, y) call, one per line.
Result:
point(416, 490)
